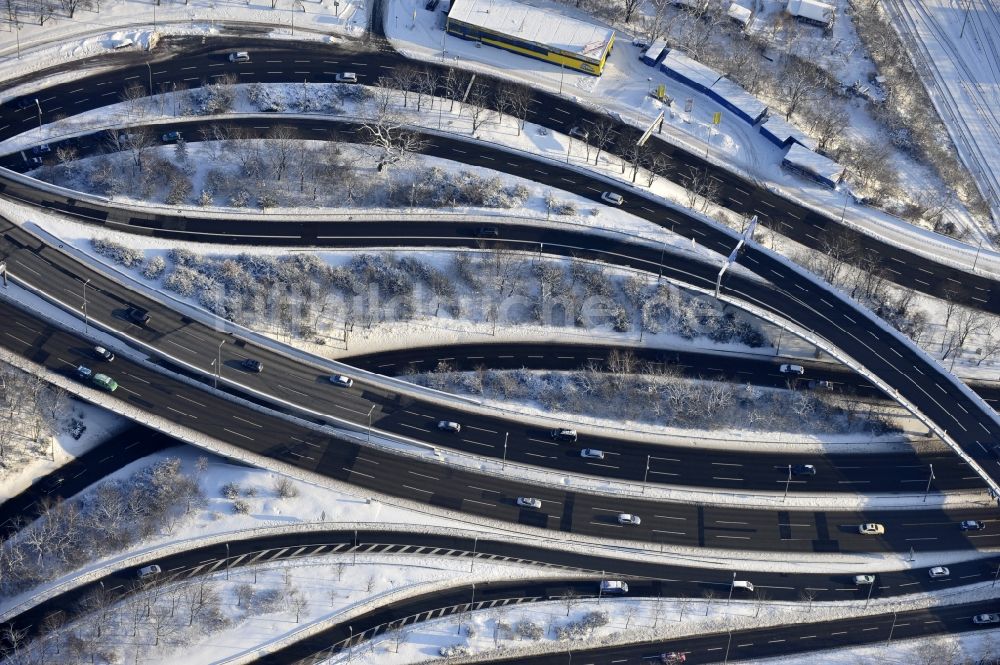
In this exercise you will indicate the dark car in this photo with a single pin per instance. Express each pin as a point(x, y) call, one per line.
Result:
point(563, 434)
point(137, 315)
point(803, 470)
point(42, 149)
point(103, 354)
point(487, 232)
point(972, 525)
point(252, 365)
point(171, 137)
point(35, 162)
point(432, 5)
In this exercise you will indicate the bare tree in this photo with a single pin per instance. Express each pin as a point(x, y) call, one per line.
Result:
point(571, 599)
point(405, 79)
point(800, 82)
point(478, 105)
point(519, 99)
point(602, 136)
point(389, 142)
point(398, 635)
point(299, 603)
point(628, 9)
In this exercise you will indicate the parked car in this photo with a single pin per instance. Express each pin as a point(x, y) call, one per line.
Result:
point(981, 619)
point(449, 426)
point(803, 470)
point(861, 580)
point(612, 198)
point(103, 354)
point(871, 529)
point(579, 132)
point(146, 571)
point(563, 434)
point(239, 56)
point(629, 519)
point(137, 315)
point(614, 586)
point(104, 382)
point(251, 365)
point(346, 77)
point(591, 453)
point(42, 149)
point(938, 571)
point(528, 502)
point(972, 525)
point(171, 137)
point(341, 380)
point(792, 369)
point(640, 43)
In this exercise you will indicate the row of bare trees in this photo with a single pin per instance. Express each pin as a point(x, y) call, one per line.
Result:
point(32, 412)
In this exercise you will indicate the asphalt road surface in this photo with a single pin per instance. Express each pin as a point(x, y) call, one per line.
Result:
point(644, 578)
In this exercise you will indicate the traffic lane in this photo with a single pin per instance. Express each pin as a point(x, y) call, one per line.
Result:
point(550, 110)
point(529, 445)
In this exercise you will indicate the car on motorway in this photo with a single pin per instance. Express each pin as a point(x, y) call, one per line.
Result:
point(591, 453)
point(102, 354)
point(972, 525)
point(981, 619)
point(579, 132)
point(614, 586)
point(239, 56)
point(341, 380)
point(803, 470)
point(528, 502)
point(821, 385)
point(42, 149)
point(449, 426)
point(137, 315)
point(612, 198)
point(673, 658)
point(939, 571)
point(171, 137)
point(563, 434)
point(792, 369)
point(252, 365)
point(346, 77)
point(104, 382)
point(487, 232)
point(84, 372)
point(35, 162)
point(871, 529)
point(864, 579)
point(147, 571)
point(629, 519)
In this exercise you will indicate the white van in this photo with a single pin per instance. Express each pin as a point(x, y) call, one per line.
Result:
point(743, 584)
point(614, 586)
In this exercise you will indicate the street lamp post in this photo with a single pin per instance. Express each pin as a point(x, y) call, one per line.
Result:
point(788, 481)
point(38, 105)
point(149, 73)
point(218, 363)
point(503, 464)
point(86, 321)
point(728, 644)
point(978, 249)
point(370, 411)
point(891, 629)
point(929, 479)
point(996, 575)
point(870, 587)
point(227, 560)
point(645, 475)
point(731, 587)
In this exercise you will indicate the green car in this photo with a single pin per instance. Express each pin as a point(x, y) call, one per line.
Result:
point(105, 382)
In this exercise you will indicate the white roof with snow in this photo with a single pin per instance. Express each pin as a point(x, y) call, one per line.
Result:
point(810, 9)
point(814, 163)
point(690, 69)
point(739, 97)
point(785, 130)
point(739, 13)
point(533, 25)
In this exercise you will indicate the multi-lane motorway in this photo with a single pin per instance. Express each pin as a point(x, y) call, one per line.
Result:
point(507, 439)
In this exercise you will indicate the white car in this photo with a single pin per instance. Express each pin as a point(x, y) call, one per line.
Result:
point(239, 56)
point(871, 529)
point(590, 453)
point(146, 571)
point(341, 380)
point(528, 502)
point(864, 579)
point(792, 369)
point(938, 571)
point(614, 586)
point(980, 619)
point(449, 426)
point(346, 77)
point(629, 518)
point(612, 198)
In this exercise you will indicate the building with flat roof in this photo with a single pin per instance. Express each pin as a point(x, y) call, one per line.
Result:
point(533, 32)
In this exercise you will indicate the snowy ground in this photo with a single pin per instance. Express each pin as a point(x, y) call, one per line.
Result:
point(957, 45)
point(100, 424)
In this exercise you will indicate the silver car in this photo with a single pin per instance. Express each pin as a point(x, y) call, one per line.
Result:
point(528, 502)
point(629, 519)
point(590, 453)
point(449, 426)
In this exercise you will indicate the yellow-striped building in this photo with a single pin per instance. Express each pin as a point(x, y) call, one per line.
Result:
point(533, 32)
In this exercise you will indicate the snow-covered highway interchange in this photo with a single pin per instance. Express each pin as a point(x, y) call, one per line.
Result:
point(712, 515)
